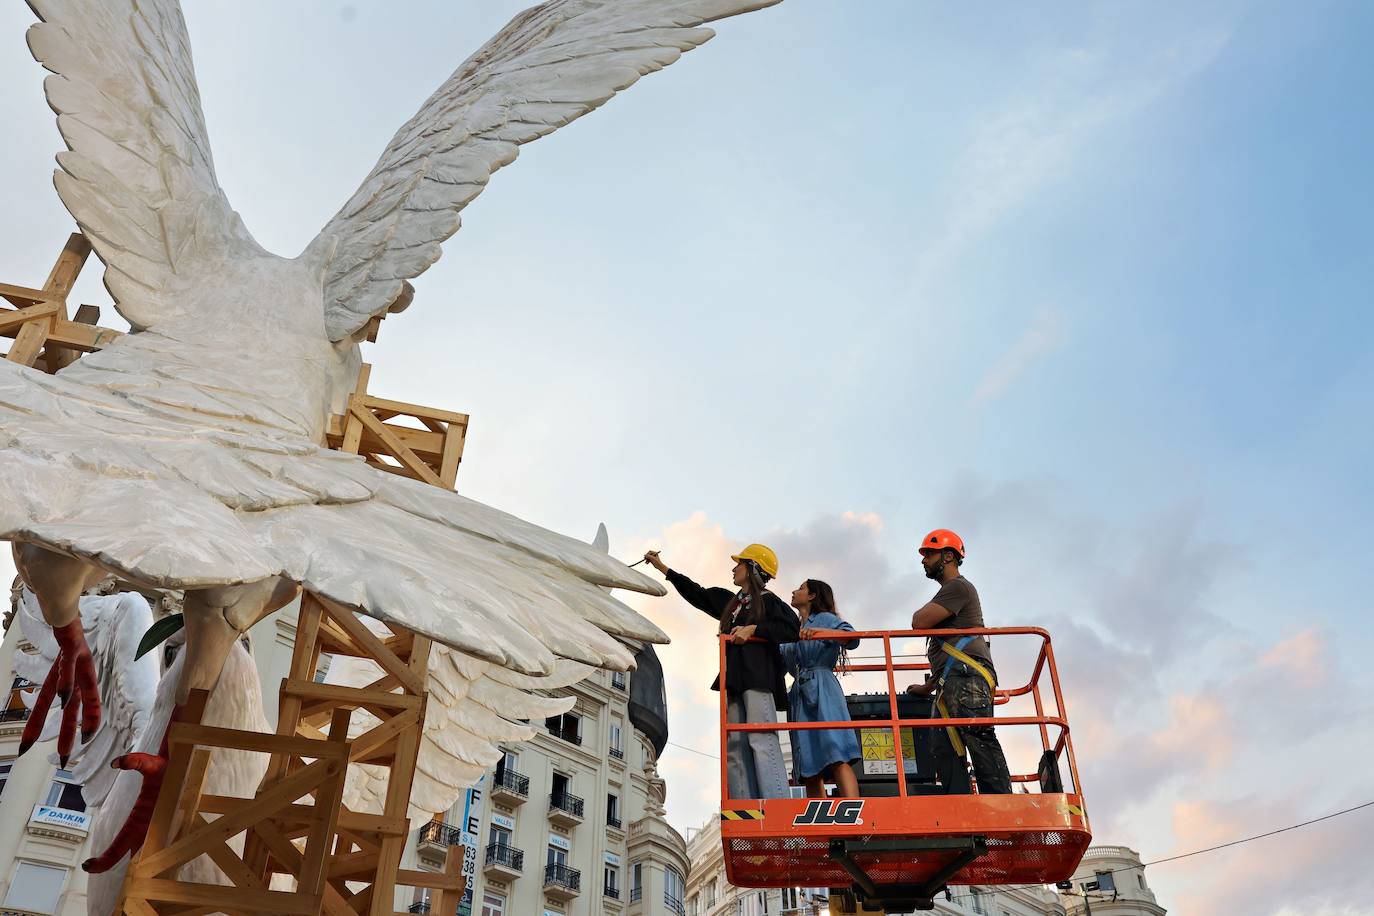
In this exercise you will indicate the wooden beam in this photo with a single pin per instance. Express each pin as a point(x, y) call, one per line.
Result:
point(195, 842)
point(369, 741)
point(212, 736)
point(28, 342)
point(290, 858)
point(23, 295)
point(415, 410)
point(229, 862)
point(395, 447)
point(454, 437)
point(69, 263)
point(365, 638)
point(348, 697)
point(18, 318)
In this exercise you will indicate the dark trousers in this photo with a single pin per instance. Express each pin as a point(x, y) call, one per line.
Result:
point(967, 696)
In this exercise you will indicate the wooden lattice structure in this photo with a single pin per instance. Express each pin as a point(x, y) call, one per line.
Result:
point(341, 862)
point(45, 333)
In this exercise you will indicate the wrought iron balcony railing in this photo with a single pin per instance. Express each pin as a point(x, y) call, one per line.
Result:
point(564, 801)
point(511, 781)
point(556, 875)
point(506, 855)
point(441, 834)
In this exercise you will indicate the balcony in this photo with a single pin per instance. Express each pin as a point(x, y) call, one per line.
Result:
point(14, 715)
point(635, 894)
point(436, 838)
point(567, 734)
point(613, 822)
point(618, 680)
point(419, 906)
point(617, 753)
point(510, 787)
point(562, 882)
point(565, 809)
point(611, 892)
point(504, 861)
point(674, 905)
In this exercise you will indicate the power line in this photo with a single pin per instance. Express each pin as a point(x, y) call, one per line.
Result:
point(1198, 852)
point(1258, 836)
point(694, 750)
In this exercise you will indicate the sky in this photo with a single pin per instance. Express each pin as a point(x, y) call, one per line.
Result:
point(1079, 281)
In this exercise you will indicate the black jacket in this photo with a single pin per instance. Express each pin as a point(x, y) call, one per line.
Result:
point(754, 665)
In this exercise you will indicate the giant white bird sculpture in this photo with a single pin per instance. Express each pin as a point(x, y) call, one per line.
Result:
point(188, 454)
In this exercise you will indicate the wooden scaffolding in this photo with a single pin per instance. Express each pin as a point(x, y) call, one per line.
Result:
point(340, 862)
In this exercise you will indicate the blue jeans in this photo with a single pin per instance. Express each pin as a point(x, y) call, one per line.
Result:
point(753, 760)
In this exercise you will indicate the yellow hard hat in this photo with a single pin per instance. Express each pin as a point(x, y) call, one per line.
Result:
point(764, 556)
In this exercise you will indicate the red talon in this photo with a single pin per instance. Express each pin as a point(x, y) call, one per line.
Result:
point(72, 677)
point(130, 837)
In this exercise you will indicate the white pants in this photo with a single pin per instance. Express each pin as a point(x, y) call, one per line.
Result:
point(754, 767)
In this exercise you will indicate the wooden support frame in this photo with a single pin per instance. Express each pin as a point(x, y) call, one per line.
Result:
point(181, 831)
point(45, 335)
point(428, 449)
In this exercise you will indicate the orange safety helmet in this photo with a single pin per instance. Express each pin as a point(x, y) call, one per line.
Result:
point(943, 539)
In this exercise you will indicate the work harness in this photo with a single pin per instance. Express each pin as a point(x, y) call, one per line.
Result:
point(955, 652)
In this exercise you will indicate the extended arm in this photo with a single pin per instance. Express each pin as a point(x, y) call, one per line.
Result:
point(931, 615)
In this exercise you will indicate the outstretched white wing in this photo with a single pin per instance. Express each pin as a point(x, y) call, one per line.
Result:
point(551, 65)
point(113, 626)
point(138, 176)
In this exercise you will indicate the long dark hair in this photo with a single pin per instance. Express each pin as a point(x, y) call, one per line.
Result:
point(754, 588)
point(823, 602)
point(822, 597)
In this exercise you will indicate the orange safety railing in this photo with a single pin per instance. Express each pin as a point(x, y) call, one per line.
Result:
point(1062, 746)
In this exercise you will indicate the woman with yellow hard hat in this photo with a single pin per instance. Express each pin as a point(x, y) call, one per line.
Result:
point(754, 687)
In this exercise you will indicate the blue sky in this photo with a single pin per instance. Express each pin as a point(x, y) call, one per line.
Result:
point(1085, 282)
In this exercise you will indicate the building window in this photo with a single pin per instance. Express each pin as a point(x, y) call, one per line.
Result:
point(64, 793)
point(674, 889)
point(978, 906)
point(636, 881)
point(617, 740)
point(509, 763)
point(35, 888)
point(500, 836)
point(6, 764)
point(567, 726)
point(612, 882)
point(557, 855)
point(618, 680)
point(493, 904)
point(1141, 879)
point(612, 811)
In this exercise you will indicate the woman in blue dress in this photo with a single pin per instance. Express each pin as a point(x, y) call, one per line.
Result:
point(816, 696)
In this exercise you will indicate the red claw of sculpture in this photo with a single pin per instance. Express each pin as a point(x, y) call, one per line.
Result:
point(135, 830)
point(72, 679)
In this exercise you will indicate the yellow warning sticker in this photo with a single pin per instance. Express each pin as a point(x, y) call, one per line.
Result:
point(876, 745)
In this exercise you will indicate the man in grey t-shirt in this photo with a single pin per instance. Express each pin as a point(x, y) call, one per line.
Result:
point(963, 687)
